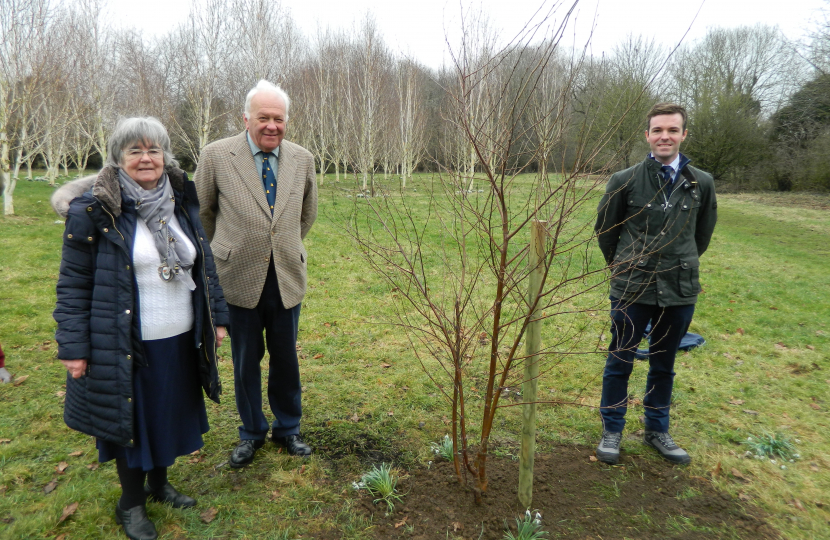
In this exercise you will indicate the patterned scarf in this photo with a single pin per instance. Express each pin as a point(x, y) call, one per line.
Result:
point(156, 206)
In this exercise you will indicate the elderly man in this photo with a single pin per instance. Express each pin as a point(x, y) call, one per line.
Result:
point(258, 201)
point(654, 222)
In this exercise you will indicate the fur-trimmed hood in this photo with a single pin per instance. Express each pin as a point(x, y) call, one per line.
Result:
point(106, 188)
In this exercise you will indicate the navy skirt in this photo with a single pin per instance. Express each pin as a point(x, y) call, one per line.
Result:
point(169, 414)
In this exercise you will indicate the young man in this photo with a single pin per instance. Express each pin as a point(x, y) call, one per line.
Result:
point(654, 222)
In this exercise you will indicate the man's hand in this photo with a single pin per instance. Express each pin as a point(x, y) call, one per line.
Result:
point(220, 335)
point(76, 368)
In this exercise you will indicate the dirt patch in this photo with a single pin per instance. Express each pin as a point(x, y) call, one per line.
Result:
point(643, 498)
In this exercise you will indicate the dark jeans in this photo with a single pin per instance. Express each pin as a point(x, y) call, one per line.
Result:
point(628, 322)
point(248, 349)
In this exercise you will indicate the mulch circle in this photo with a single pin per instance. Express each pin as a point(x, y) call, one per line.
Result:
point(642, 498)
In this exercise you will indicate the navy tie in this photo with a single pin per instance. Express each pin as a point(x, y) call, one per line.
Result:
point(268, 180)
point(668, 172)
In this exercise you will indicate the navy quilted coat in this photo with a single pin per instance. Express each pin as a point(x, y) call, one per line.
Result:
point(97, 302)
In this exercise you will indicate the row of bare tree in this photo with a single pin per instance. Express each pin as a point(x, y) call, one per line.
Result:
point(67, 76)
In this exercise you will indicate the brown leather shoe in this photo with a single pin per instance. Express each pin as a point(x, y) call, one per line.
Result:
point(294, 445)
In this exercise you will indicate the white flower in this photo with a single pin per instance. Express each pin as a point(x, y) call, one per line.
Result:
point(772, 461)
point(783, 466)
point(797, 456)
point(749, 438)
point(527, 513)
point(798, 441)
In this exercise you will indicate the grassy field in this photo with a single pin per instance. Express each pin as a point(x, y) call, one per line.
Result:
point(765, 314)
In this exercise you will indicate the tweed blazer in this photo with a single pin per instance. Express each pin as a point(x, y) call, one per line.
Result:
point(242, 232)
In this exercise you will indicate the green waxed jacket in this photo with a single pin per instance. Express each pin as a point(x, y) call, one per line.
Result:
point(652, 245)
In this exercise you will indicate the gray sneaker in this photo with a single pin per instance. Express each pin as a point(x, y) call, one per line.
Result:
point(608, 450)
point(666, 446)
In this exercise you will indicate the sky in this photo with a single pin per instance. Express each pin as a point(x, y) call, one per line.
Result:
point(418, 27)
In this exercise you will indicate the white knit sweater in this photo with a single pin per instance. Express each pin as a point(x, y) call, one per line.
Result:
point(166, 306)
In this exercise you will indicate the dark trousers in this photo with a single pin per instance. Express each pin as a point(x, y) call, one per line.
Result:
point(248, 349)
point(628, 322)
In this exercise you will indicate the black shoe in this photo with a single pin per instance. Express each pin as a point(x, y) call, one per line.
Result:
point(137, 525)
point(168, 494)
point(294, 444)
point(244, 452)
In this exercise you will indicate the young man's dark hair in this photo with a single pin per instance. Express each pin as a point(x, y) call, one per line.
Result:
point(666, 108)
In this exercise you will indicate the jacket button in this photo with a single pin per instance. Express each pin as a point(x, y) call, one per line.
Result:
point(106, 230)
point(127, 311)
point(663, 233)
point(659, 292)
point(89, 209)
point(69, 236)
point(648, 205)
point(129, 357)
point(685, 207)
point(89, 238)
point(129, 400)
point(128, 267)
point(200, 238)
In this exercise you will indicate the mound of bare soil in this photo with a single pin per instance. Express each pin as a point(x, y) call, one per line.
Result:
point(642, 498)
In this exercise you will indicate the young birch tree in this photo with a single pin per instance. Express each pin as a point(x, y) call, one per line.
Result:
point(411, 118)
point(367, 72)
point(23, 39)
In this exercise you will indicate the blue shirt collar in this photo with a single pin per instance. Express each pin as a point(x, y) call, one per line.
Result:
point(679, 162)
point(256, 150)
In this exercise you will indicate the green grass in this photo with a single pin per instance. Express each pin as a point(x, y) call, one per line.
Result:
point(765, 314)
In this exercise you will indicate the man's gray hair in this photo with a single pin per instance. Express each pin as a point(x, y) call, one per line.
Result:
point(265, 86)
point(130, 131)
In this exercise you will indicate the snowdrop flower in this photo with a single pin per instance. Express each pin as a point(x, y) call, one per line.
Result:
point(749, 438)
point(527, 513)
point(783, 467)
point(797, 456)
point(798, 441)
point(772, 461)
point(538, 519)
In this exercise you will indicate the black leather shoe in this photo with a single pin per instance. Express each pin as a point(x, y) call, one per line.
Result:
point(168, 494)
point(294, 444)
point(137, 525)
point(244, 452)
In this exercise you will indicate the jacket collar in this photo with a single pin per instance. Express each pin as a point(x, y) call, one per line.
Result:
point(106, 188)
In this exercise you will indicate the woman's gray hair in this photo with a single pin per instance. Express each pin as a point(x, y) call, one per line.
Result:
point(265, 86)
point(129, 131)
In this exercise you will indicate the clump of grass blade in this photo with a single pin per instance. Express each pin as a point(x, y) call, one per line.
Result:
point(527, 528)
point(443, 448)
point(381, 482)
point(771, 446)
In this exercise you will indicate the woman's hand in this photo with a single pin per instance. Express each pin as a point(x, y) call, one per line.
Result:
point(220, 335)
point(76, 368)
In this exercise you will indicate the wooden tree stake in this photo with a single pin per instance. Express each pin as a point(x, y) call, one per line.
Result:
point(533, 340)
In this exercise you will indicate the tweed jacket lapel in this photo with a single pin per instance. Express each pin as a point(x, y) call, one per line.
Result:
point(285, 176)
point(243, 163)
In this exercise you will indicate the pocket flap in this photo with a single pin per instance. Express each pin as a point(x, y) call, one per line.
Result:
point(220, 251)
point(691, 262)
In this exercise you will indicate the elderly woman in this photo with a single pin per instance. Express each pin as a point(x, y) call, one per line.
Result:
point(140, 313)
